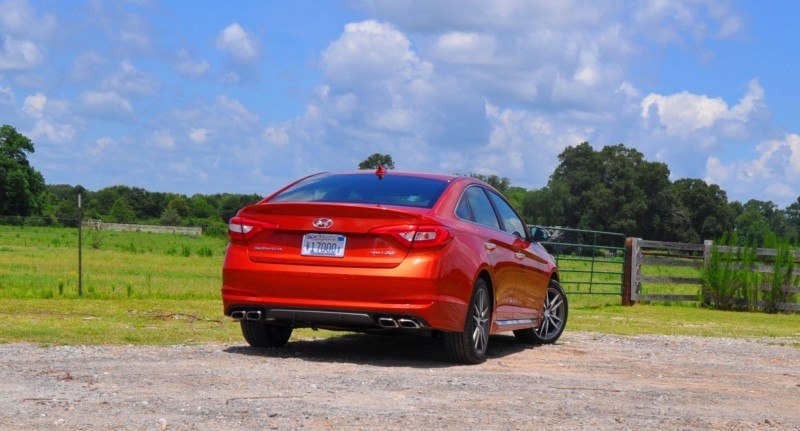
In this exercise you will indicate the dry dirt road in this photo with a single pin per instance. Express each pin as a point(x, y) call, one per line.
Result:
point(587, 381)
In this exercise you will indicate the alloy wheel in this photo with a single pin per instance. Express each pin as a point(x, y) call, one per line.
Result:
point(480, 321)
point(553, 315)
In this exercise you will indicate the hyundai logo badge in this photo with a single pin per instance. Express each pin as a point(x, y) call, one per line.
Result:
point(323, 223)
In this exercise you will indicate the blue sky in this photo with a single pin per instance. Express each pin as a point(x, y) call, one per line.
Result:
point(208, 97)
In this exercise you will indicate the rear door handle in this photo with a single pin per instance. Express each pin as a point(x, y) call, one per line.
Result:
point(490, 246)
point(519, 255)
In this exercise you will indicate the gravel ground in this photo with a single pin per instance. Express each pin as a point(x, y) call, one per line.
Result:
point(587, 381)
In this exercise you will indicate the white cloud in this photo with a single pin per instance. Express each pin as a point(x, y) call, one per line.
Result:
point(629, 90)
point(276, 135)
point(22, 31)
point(370, 52)
point(87, 65)
point(465, 48)
point(53, 132)
point(130, 80)
point(52, 118)
point(236, 111)
point(238, 43)
point(774, 174)
point(106, 104)
point(199, 135)
point(162, 139)
point(185, 65)
point(34, 105)
point(100, 146)
point(19, 54)
point(7, 96)
point(17, 18)
point(684, 113)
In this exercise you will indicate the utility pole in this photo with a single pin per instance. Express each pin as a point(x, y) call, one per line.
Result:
point(80, 247)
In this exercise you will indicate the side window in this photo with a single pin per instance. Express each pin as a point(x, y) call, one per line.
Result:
point(463, 211)
point(481, 207)
point(511, 222)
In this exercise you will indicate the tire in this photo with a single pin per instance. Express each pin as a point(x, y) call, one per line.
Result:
point(554, 318)
point(470, 346)
point(260, 334)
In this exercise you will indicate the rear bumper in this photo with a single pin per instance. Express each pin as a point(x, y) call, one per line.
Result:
point(335, 319)
point(347, 297)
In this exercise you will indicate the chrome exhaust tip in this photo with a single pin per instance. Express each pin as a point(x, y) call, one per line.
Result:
point(387, 322)
point(238, 315)
point(408, 323)
point(254, 315)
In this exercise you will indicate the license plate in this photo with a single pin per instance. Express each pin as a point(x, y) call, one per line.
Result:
point(323, 244)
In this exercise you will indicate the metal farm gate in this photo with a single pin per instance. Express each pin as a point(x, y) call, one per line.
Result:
point(589, 262)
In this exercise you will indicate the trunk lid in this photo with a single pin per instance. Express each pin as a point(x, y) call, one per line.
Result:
point(327, 234)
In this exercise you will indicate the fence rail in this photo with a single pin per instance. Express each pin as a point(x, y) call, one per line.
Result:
point(646, 253)
point(121, 227)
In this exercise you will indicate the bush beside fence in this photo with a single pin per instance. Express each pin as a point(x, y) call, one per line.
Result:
point(726, 276)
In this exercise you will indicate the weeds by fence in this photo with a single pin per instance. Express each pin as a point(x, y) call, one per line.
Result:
point(721, 275)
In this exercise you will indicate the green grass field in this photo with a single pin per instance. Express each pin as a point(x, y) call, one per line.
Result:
point(143, 288)
point(41, 262)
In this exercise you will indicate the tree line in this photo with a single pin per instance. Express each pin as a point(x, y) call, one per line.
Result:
point(612, 189)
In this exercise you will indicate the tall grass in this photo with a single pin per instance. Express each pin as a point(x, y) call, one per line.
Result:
point(736, 280)
point(778, 283)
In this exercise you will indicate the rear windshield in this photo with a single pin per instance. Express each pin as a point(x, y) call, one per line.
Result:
point(361, 188)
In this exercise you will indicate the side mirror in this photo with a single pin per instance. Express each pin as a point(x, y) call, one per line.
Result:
point(539, 234)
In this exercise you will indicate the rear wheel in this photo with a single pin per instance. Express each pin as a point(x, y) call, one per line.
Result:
point(554, 318)
point(260, 334)
point(469, 347)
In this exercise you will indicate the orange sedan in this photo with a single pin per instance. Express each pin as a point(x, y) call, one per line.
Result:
point(367, 251)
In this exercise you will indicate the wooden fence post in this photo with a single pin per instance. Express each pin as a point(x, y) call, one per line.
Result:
point(708, 246)
point(626, 273)
point(636, 270)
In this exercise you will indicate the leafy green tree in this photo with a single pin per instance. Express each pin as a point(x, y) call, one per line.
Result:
point(793, 221)
point(21, 186)
point(231, 204)
point(706, 206)
point(180, 205)
point(121, 211)
point(549, 205)
point(752, 227)
point(170, 217)
point(375, 160)
point(612, 189)
point(501, 184)
point(200, 207)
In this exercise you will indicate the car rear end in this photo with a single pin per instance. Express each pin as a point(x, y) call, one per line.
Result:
point(345, 251)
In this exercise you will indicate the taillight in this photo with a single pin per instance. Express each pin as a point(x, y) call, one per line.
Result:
point(422, 236)
point(243, 229)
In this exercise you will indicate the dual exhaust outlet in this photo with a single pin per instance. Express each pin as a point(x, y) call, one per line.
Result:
point(246, 315)
point(388, 322)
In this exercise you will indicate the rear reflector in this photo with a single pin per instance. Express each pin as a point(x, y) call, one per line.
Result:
point(243, 229)
point(417, 237)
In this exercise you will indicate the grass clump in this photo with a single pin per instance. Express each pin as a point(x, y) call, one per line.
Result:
point(735, 277)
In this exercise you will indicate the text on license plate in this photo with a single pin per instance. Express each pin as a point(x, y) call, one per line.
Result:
point(323, 244)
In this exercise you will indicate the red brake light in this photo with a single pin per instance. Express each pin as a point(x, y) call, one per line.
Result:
point(243, 229)
point(417, 237)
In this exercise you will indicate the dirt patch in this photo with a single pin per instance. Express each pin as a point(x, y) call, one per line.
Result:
point(587, 381)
